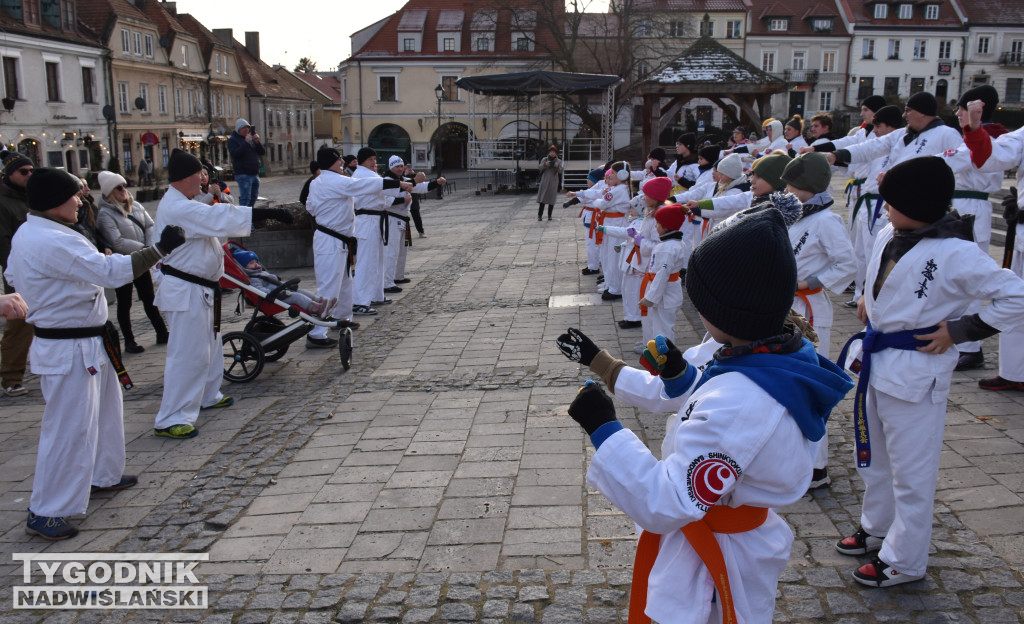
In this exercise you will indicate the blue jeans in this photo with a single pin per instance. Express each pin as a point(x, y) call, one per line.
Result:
point(248, 189)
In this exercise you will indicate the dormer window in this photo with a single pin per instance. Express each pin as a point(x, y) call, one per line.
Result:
point(881, 11)
point(931, 12)
point(408, 44)
point(410, 30)
point(906, 11)
point(449, 30)
point(778, 24)
point(822, 24)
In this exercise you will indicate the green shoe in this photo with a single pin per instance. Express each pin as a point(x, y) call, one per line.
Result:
point(224, 402)
point(178, 432)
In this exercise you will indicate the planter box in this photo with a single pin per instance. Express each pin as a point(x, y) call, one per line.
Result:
point(281, 249)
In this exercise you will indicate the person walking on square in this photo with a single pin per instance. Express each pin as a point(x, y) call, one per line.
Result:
point(17, 336)
point(245, 149)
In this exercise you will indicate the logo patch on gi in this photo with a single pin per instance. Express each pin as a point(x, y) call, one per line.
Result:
point(951, 151)
point(92, 370)
point(607, 196)
point(710, 477)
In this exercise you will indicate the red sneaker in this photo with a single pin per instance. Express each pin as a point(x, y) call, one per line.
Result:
point(879, 574)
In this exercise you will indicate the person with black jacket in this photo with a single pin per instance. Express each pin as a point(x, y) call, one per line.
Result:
point(245, 149)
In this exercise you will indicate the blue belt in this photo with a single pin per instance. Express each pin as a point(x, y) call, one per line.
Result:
point(872, 342)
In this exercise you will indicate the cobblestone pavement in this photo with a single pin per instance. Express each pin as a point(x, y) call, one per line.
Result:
point(440, 479)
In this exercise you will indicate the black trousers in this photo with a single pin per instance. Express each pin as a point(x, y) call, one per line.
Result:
point(414, 211)
point(144, 286)
point(540, 210)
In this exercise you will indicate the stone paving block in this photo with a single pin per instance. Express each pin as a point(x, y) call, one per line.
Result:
point(479, 487)
point(283, 503)
point(305, 560)
point(418, 616)
point(352, 612)
point(329, 513)
point(410, 519)
point(458, 612)
point(989, 522)
point(478, 557)
point(541, 542)
point(467, 531)
point(348, 492)
point(245, 548)
point(362, 474)
point(546, 495)
point(531, 593)
point(484, 507)
point(979, 497)
point(555, 516)
point(396, 545)
point(396, 498)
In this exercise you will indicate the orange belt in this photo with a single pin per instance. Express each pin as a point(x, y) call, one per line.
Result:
point(648, 278)
point(601, 217)
point(802, 294)
point(700, 534)
point(593, 220)
point(635, 251)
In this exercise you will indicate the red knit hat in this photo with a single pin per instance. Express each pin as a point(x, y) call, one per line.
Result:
point(657, 189)
point(670, 217)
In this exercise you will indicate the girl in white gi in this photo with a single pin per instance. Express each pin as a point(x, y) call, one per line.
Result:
point(61, 276)
point(189, 295)
point(741, 445)
point(794, 133)
point(330, 203)
point(765, 179)
point(613, 202)
point(924, 272)
point(589, 217)
point(628, 239)
point(824, 260)
point(661, 293)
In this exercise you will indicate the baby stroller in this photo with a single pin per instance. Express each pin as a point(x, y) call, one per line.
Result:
point(265, 337)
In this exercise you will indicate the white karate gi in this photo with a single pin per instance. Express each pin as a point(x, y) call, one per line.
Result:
point(61, 277)
point(369, 280)
point(906, 403)
point(609, 199)
point(587, 214)
point(631, 265)
point(666, 296)
point(330, 203)
point(730, 415)
point(195, 356)
point(398, 218)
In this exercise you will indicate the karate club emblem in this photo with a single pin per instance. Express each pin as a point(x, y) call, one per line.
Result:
point(711, 478)
point(607, 196)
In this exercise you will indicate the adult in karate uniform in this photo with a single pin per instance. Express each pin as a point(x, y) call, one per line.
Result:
point(330, 202)
point(61, 277)
point(373, 231)
point(189, 295)
point(398, 221)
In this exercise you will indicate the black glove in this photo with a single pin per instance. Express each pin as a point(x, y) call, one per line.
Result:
point(1010, 210)
point(171, 238)
point(571, 202)
point(577, 347)
point(592, 407)
point(278, 214)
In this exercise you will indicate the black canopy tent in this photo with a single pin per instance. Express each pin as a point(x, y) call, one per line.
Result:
point(541, 82)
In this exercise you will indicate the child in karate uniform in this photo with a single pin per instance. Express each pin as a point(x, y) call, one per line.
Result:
point(824, 260)
point(590, 217)
point(627, 240)
point(742, 443)
point(613, 202)
point(924, 272)
point(661, 291)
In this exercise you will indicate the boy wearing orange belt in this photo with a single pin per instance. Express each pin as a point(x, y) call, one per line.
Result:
point(824, 260)
point(743, 441)
point(661, 291)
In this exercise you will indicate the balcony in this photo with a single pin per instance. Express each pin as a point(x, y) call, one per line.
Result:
point(801, 76)
point(1014, 59)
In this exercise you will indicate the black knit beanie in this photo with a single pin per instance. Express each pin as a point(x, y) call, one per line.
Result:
point(710, 153)
point(742, 278)
point(920, 188)
point(985, 93)
point(808, 172)
point(326, 157)
point(48, 188)
point(14, 162)
point(658, 154)
point(890, 115)
point(314, 166)
point(364, 153)
point(181, 165)
point(688, 140)
point(873, 102)
point(924, 103)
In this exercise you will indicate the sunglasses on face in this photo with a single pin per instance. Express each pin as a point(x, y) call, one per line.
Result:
point(26, 171)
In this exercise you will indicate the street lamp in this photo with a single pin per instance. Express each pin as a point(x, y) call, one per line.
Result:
point(439, 92)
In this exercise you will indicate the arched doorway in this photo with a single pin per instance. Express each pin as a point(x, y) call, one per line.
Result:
point(389, 140)
point(941, 90)
point(454, 140)
point(30, 148)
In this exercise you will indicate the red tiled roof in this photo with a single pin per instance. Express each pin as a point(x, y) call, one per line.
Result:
point(100, 15)
point(326, 83)
point(260, 79)
point(862, 13)
point(801, 14)
point(84, 36)
point(695, 6)
point(994, 12)
point(207, 40)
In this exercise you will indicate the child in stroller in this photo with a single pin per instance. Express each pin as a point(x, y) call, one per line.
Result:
point(260, 278)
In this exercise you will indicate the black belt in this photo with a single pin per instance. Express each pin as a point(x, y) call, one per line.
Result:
point(195, 279)
point(385, 227)
point(398, 216)
point(351, 242)
point(111, 344)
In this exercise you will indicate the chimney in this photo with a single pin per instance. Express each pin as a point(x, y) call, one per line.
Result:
point(252, 44)
point(226, 36)
point(171, 7)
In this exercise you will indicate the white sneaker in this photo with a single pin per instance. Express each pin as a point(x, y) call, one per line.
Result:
point(16, 390)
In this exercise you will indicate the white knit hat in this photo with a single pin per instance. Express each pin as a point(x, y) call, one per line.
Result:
point(776, 127)
point(395, 161)
point(109, 181)
point(240, 123)
point(731, 166)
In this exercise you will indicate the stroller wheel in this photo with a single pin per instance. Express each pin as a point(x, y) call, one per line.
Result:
point(345, 348)
point(243, 357)
point(273, 356)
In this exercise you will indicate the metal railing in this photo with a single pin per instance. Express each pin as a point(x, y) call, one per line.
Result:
point(529, 151)
point(1012, 58)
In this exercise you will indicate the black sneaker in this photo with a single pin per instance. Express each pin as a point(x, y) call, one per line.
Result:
point(607, 296)
point(589, 271)
point(860, 543)
point(126, 482)
point(404, 280)
point(51, 529)
point(362, 310)
point(321, 343)
point(819, 478)
point(630, 324)
point(392, 289)
point(600, 279)
point(133, 347)
point(851, 303)
point(969, 361)
point(386, 301)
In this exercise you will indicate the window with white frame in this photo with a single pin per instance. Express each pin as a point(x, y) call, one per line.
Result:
point(881, 11)
point(144, 94)
point(184, 56)
point(387, 89)
point(822, 24)
point(799, 59)
point(906, 11)
point(828, 61)
point(677, 28)
point(68, 13)
point(521, 43)
point(920, 49)
point(216, 61)
point(931, 12)
point(190, 102)
point(1016, 56)
point(734, 29)
point(149, 46)
point(825, 101)
point(449, 44)
point(137, 43)
point(177, 102)
point(707, 28)
point(894, 48)
point(409, 44)
point(238, 104)
point(122, 98)
point(483, 44)
point(1013, 88)
point(945, 49)
point(53, 90)
point(778, 24)
point(984, 45)
point(868, 49)
point(768, 61)
point(161, 99)
point(126, 41)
